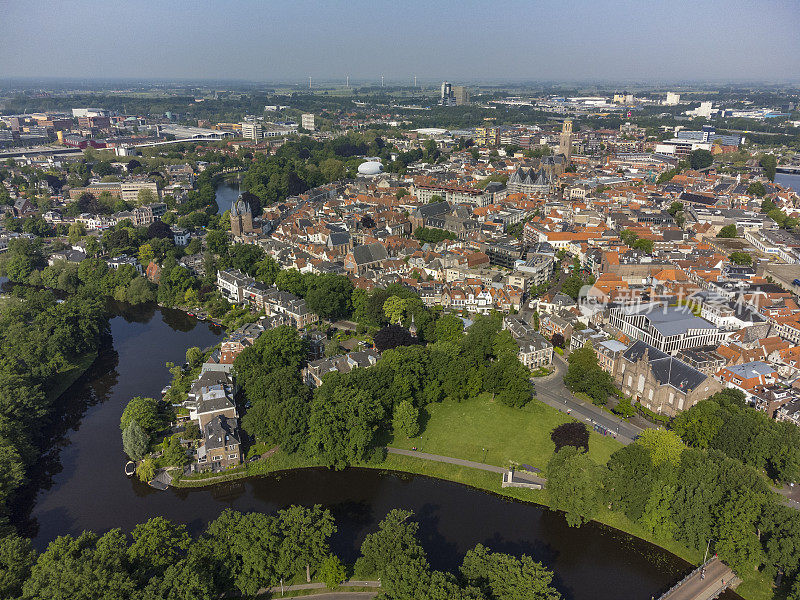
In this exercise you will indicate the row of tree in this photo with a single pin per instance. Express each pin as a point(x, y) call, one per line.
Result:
point(243, 553)
point(697, 497)
point(40, 339)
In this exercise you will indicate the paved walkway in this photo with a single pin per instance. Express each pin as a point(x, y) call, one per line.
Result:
point(718, 577)
point(447, 459)
point(276, 589)
point(463, 463)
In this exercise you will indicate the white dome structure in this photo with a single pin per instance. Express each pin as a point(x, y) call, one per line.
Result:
point(371, 167)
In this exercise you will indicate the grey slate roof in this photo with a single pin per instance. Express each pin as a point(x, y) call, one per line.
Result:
point(221, 431)
point(666, 369)
point(370, 253)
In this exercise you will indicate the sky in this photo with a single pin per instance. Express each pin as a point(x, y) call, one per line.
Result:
point(458, 40)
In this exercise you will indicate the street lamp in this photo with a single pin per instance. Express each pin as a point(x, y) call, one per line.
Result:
point(707, 547)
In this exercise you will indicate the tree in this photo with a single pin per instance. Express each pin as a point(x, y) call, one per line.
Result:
point(146, 254)
point(395, 539)
point(394, 308)
point(140, 291)
point(82, 567)
point(157, 544)
point(449, 328)
point(584, 374)
point(700, 159)
point(662, 444)
point(332, 169)
point(146, 470)
point(435, 198)
point(147, 412)
point(392, 336)
point(76, 232)
point(306, 532)
point(159, 229)
point(756, 188)
point(506, 577)
point(342, 425)
point(558, 340)
point(729, 231)
point(573, 485)
point(217, 241)
point(406, 419)
point(329, 296)
point(135, 441)
point(174, 453)
point(570, 434)
point(145, 196)
point(332, 572)
point(280, 403)
point(770, 164)
point(741, 258)
point(267, 270)
point(628, 480)
point(17, 556)
point(194, 356)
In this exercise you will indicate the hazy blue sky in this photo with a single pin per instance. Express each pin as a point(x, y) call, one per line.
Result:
point(458, 40)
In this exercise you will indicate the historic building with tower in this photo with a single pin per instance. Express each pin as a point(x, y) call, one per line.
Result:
point(241, 217)
point(565, 143)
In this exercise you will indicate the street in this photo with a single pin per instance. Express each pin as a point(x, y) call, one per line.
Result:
point(552, 391)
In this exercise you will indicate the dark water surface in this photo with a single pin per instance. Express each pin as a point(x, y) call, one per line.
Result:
point(83, 485)
point(227, 192)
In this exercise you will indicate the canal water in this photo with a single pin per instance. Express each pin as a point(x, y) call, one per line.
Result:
point(788, 180)
point(226, 193)
point(81, 484)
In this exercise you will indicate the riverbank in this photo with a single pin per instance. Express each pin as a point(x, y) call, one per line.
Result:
point(754, 587)
point(66, 377)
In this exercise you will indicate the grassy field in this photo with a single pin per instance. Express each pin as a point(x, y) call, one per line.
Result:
point(493, 433)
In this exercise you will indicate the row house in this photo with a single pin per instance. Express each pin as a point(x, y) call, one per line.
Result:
point(552, 324)
point(534, 349)
point(748, 375)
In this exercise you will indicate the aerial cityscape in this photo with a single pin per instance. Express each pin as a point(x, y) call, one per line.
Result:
point(348, 301)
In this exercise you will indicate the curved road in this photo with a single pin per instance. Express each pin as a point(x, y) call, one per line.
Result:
point(552, 391)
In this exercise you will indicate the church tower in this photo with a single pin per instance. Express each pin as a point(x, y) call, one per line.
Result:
point(241, 217)
point(565, 144)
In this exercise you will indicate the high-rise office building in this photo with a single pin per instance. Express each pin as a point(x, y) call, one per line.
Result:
point(565, 143)
point(307, 121)
point(672, 99)
point(460, 95)
point(252, 131)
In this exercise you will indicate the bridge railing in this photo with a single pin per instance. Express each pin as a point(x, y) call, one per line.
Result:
point(675, 587)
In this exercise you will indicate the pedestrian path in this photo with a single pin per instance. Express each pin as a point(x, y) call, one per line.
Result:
point(707, 581)
point(462, 463)
point(277, 589)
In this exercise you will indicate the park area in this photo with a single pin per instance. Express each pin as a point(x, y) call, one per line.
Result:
point(490, 432)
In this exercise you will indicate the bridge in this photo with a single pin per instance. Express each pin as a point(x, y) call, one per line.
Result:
point(707, 581)
point(792, 169)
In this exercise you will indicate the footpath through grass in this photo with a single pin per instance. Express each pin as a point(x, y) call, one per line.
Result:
point(490, 432)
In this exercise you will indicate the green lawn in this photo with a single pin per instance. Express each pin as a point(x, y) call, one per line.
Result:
point(465, 429)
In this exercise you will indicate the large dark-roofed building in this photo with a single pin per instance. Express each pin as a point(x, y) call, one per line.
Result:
point(661, 382)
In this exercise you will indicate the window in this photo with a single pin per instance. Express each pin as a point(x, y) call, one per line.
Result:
point(232, 456)
point(640, 386)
